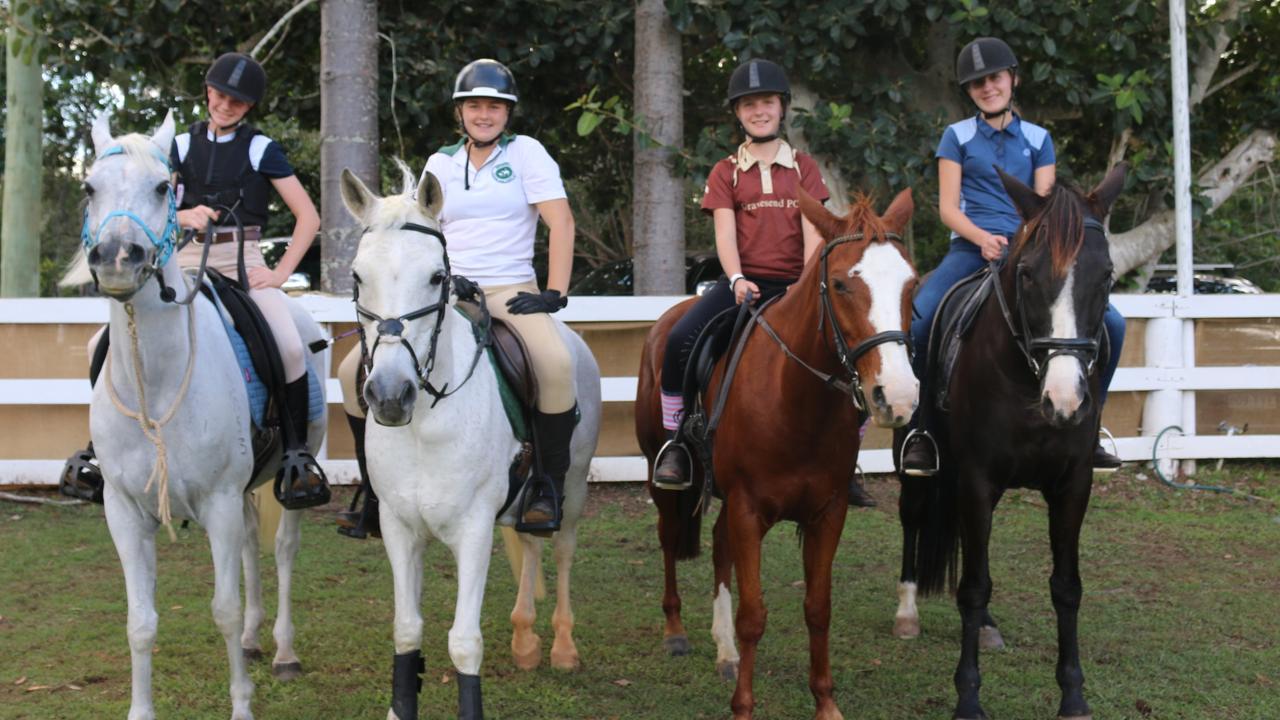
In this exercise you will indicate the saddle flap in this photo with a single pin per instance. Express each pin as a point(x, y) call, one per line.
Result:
point(513, 362)
point(954, 320)
point(708, 348)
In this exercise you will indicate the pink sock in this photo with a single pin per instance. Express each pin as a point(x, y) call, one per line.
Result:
point(672, 411)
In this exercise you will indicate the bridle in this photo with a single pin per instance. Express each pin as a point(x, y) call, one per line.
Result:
point(393, 328)
point(1083, 349)
point(848, 357)
point(164, 242)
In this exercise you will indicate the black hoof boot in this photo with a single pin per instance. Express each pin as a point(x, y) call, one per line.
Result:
point(406, 683)
point(360, 520)
point(469, 705)
point(82, 477)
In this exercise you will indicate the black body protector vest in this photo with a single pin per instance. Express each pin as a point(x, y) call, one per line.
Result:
point(215, 173)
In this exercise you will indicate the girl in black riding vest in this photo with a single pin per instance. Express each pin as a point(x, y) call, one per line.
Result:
point(225, 170)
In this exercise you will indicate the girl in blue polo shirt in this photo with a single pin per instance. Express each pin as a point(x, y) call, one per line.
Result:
point(973, 203)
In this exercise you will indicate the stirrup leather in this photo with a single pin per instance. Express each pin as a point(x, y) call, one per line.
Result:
point(937, 459)
point(540, 486)
point(673, 445)
point(301, 482)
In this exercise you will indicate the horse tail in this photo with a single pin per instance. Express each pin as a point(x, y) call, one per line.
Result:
point(928, 508)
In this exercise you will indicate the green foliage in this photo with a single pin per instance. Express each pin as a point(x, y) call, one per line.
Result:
point(881, 69)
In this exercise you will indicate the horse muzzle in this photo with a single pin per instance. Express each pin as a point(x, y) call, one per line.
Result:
point(120, 267)
point(1064, 396)
point(390, 400)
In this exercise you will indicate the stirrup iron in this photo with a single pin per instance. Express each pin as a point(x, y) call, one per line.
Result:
point(301, 482)
point(673, 445)
point(937, 456)
point(540, 486)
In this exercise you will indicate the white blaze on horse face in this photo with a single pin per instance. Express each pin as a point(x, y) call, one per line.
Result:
point(1062, 377)
point(886, 274)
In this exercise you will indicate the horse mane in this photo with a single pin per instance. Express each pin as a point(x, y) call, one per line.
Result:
point(863, 219)
point(1060, 224)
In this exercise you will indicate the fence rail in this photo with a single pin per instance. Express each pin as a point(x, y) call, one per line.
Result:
point(586, 312)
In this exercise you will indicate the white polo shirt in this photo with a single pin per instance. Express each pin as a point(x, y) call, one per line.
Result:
point(490, 227)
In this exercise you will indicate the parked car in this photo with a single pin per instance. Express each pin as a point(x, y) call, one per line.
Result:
point(618, 277)
point(1220, 280)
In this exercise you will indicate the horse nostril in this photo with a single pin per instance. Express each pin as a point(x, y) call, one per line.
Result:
point(95, 254)
point(406, 394)
point(135, 254)
point(877, 396)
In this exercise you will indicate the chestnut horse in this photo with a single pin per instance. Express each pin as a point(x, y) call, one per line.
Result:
point(1022, 414)
point(788, 440)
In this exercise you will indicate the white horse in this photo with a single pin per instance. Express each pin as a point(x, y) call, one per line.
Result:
point(441, 469)
point(170, 415)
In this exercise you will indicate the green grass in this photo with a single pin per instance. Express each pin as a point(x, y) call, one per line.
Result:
point(1181, 619)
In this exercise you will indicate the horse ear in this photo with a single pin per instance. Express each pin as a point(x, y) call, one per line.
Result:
point(1027, 201)
point(163, 138)
point(102, 134)
point(827, 223)
point(898, 216)
point(430, 195)
point(355, 195)
point(1108, 190)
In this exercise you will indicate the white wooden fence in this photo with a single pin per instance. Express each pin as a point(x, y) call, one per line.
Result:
point(1183, 378)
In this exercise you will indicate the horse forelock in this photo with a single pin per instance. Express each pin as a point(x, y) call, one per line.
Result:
point(1059, 225)
point(138, 148)
point(863, 220)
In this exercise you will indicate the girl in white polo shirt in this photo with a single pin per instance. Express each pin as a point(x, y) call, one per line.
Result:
point(496, 187)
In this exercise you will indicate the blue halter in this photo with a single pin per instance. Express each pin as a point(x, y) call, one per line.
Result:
point(165, 242)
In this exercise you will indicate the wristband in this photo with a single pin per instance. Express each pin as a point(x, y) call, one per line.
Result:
point(734, 278)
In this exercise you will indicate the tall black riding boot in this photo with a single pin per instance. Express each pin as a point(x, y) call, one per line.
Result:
point(544, 500)
point(81, 476)
point(301, 482)
point(362, 522)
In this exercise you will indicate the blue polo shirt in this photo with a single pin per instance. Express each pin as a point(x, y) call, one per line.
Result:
point(1019, 149)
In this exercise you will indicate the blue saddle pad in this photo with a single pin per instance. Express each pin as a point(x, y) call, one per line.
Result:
point(253, 383)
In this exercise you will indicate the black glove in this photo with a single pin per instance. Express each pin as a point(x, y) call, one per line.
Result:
point(526, 303)
point(465, 289)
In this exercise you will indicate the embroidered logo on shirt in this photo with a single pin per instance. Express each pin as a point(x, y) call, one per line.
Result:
point(503, 173)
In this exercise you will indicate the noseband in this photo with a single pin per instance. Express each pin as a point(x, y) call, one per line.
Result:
point(393, 328)
point(852, 383)
point(164, 242)
point(1083, 349)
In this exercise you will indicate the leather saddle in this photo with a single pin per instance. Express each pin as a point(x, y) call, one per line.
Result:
point(953, 321)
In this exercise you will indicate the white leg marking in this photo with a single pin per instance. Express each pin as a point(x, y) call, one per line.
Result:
point(722, 628)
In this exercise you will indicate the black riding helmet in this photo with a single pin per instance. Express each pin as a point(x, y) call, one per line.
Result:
point(239, 76)
point(754, 77)
point(982, 57)
point(485, 78)
point(758, 76)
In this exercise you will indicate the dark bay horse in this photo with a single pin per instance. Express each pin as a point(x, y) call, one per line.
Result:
point(788, 441)
point(1022, 414)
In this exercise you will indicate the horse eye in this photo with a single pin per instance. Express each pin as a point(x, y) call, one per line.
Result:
point(162, 188)
point(840, 286)
point(88, 190)
point(437, 278)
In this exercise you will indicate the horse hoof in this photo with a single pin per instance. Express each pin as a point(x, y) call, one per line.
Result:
point(989, 638)
point(677, 645)
point(906, 628)
point(727, 670)
point(252, 654)
point(529, 655)
point(566, 661)
point(284, 672)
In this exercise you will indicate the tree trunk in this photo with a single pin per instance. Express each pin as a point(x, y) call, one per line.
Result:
point(24, 124)
point(804, 97)
point(658, 200)
point(1131, 249)
point(348, 126)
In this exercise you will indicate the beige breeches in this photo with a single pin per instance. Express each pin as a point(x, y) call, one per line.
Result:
point(552, 365)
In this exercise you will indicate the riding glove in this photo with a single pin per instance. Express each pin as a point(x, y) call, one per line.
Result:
point(465, 288)
point(526, 303)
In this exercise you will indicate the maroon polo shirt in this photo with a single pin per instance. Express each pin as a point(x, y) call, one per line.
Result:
point(765, 207)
